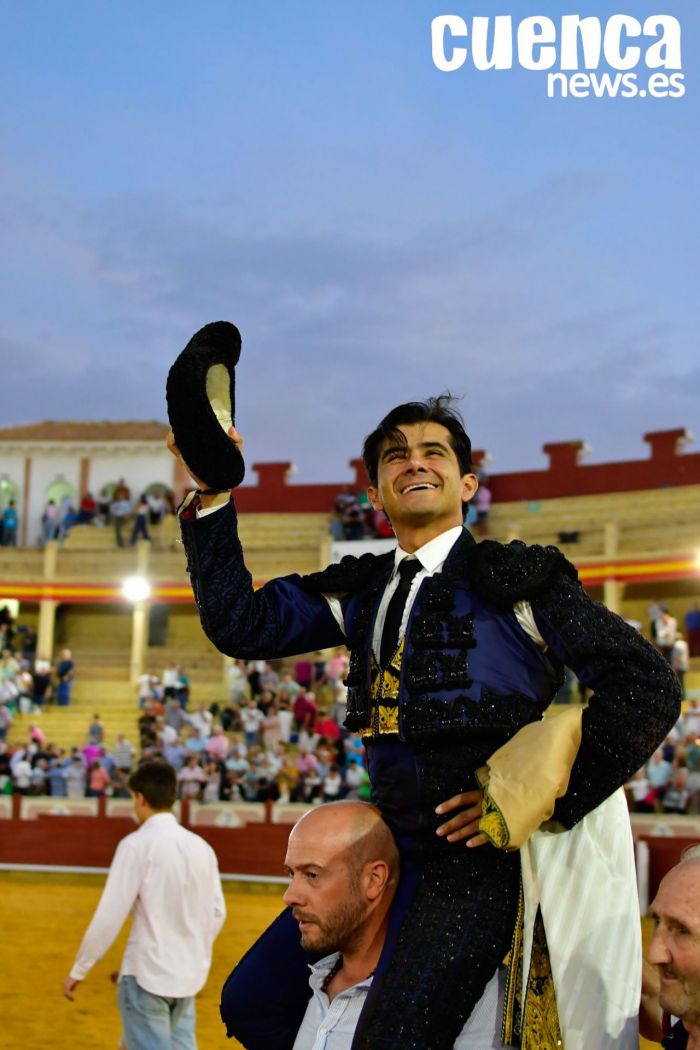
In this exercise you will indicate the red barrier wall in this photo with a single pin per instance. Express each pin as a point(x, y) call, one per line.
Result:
point(256, 849)
point(90, 842)
point(565, 476)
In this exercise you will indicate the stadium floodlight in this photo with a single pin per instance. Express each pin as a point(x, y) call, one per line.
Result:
point(136, 589)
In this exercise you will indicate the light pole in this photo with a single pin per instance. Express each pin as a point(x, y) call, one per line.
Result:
point(137, 590)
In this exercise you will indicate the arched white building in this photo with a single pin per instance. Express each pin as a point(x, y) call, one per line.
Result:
point(59, 460)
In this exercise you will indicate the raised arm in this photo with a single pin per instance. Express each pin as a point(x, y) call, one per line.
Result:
point(279, 619)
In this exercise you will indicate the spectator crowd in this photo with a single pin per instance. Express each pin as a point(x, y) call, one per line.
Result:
point(114, 507)
point(130, 518)
point(278, 736)
point(354, 518)
point(670, 781)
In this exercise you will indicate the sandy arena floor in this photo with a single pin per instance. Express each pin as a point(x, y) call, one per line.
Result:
point(43, 918)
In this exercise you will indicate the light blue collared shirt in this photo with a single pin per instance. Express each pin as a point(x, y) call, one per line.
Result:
point(331, 1025)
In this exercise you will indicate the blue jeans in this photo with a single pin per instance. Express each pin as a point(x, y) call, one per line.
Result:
point(152, 1022)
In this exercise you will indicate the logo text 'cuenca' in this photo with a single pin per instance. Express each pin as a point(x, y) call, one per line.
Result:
point(572, 44)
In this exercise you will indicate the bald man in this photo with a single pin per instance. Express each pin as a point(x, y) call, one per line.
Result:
point(343, 867)
point(675, 950)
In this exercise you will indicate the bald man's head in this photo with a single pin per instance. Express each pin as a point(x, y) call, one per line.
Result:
point(675, 945)
point(354, 828)
point(343, 866)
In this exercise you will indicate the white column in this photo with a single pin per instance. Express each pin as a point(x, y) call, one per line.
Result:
point(139, 618)
point(227, 664)
point(47, 607)
point(612, 588)
point(139, 621)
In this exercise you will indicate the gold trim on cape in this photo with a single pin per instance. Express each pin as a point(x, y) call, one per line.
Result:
point(533, 1025)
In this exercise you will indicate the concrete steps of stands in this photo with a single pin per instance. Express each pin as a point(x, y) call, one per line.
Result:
point(66, 726)
point(114, 667)
point(114, 699)
point(256, 530)
point(649, 520)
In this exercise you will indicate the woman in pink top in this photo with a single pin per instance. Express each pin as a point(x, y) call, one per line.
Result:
point(98, 780)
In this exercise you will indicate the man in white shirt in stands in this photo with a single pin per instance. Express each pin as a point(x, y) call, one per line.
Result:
point(343, 867)
point(202, 719)
point(170, 679)
point(168, 878)
point(666, 632)
point(252, 719)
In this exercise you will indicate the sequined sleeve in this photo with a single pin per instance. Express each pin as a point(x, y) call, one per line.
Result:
point(279, 619)
point(636, 695)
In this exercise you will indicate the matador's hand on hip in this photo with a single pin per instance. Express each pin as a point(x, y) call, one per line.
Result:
point(465, 824)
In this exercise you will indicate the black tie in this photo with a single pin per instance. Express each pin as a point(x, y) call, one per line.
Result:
point(394, 614)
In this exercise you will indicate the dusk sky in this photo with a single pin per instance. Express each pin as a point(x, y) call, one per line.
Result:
point(378, 230)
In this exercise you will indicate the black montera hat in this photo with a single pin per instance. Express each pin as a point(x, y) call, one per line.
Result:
point(200, 392)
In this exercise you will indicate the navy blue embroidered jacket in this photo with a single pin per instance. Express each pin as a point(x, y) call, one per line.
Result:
point(468, 666)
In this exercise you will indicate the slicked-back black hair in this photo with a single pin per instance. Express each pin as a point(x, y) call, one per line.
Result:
point(434, 410)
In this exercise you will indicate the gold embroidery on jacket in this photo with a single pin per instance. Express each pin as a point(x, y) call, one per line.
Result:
point(540, 1026)
point(492, 823)
point(384, 686)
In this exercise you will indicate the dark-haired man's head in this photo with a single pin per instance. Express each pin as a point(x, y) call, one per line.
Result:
point(439, 410)
point(419, 463)
point(153, 786)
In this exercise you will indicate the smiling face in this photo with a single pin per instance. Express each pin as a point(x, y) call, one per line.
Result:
point(420, 484)
point(675, 945)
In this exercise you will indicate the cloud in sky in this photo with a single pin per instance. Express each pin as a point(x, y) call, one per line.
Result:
point(532, 258)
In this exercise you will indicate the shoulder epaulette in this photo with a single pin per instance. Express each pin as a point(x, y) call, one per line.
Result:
point(349, 575)
point(504, 573)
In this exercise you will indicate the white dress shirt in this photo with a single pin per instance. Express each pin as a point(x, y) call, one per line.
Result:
point(330, 1025)
point(168, 878)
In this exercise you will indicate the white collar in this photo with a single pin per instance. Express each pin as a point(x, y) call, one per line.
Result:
point(434, 553)
point(157, 819)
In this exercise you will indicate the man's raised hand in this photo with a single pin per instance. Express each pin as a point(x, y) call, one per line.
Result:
point(235, 437)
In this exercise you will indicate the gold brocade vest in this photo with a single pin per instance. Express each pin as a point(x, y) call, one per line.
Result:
point(384, 693)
